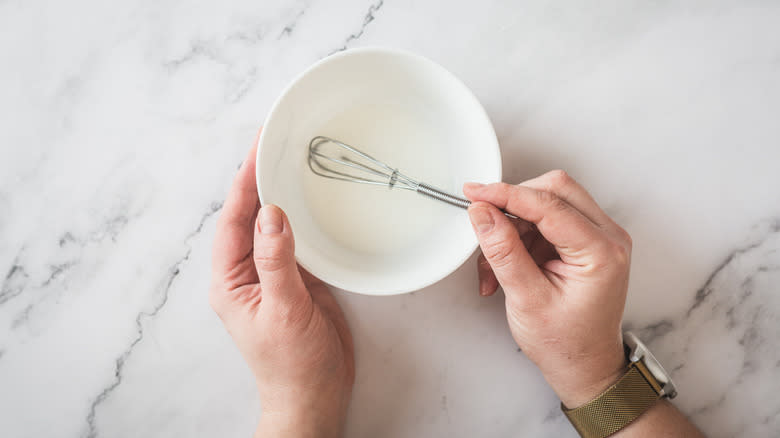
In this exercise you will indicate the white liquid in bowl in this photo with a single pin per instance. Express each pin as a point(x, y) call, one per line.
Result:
point(374, 220)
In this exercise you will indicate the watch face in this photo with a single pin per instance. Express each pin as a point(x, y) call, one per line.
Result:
point(640, 352)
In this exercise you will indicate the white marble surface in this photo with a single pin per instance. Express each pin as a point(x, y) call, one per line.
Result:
point(123, 123)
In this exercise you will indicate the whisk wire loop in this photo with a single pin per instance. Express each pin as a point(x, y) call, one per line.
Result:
point(322, 165)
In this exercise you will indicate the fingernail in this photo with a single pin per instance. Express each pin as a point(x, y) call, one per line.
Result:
point(483, 289)
point(270, 220)
point(473, 186)
point(481, 220)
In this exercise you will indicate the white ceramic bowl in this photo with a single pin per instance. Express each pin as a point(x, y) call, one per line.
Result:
point(404, 110)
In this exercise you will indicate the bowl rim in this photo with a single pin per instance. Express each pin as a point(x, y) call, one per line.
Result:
point(449, 268)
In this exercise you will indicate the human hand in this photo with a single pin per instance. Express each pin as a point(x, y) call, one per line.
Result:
point(285, 322)
point(564, 270)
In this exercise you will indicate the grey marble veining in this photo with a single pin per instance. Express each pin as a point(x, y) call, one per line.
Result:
point(123, 124)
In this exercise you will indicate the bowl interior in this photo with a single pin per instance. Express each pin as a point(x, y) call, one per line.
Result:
point(405, 111)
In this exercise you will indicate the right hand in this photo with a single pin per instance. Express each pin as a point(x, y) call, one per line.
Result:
point(564, 270)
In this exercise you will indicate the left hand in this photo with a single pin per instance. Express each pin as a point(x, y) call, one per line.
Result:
point(285, 322)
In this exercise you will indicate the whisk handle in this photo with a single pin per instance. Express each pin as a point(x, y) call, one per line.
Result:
point(449, 198)
point(440, 195)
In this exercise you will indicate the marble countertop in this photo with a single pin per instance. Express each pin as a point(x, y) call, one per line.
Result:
point(124, 122)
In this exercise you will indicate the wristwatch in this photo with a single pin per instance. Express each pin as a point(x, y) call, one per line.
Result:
point(644, 382)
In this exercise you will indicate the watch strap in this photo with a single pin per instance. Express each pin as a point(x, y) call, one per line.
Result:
point(618, 406)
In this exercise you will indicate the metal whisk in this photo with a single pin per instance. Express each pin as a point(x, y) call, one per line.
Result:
point(337, 160)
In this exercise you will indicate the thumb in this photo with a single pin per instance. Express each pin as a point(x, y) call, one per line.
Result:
point(274, 257)
point(515, 269)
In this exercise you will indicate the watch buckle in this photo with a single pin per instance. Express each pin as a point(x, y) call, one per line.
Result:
point(649, 366)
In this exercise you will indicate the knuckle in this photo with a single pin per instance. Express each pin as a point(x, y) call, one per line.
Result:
point(626, 238)
point(620, 254)
point(501, 185)
point(272, 255)
point(499, 254)
point(608, 255)
point(544, 197)
point(503, 188)
point(269, 262)
point(558, 179)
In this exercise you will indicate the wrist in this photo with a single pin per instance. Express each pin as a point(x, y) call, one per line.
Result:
point(315, 423)
point(584, 379)
point(310, 413)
